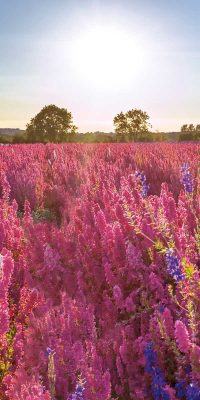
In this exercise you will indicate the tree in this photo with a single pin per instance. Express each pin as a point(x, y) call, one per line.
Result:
point(197, 128)
point(51, 124)
point(121, 128)
point(130, 125)
point(184, 128)
point(191, 128)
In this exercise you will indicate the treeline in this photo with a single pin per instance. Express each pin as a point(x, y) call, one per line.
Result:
point(93, 137)
point(190, 132)
point(55, 125)
point(189, 136)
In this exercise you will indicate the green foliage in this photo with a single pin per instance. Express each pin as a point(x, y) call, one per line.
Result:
point(51, 124)
point(5, 139)
point(188, 268)
point(184, 128)
point(22, 138)
point(43, 214)
point(91, 137)
point(186, 136)
point(189, 132)
point(191, 128)
point(151, 137)
point(159, 246)
point(40, 215)
point(131, 125)
point(198, 128)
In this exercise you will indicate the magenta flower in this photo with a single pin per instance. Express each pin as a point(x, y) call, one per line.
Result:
point(182, 337)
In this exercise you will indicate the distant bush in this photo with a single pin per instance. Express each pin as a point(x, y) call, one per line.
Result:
point(188, 136)
point(91, 137)
point(5, 139)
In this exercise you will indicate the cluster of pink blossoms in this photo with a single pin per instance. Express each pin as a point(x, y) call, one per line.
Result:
point(100, 272)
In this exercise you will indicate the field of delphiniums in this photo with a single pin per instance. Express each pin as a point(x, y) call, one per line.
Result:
point(100, 272)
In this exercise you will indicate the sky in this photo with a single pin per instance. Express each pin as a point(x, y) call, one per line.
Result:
point(98, 58)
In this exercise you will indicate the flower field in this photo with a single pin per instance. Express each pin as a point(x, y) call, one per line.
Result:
point(100, 272)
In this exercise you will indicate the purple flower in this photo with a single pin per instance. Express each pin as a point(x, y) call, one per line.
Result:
point(193, 392)
point(186, 178)
point(161, 308)
point(188, 369)
point(49, 351)
point(181, 389)
point(143, 181)
point(158, 380)
point(173, 265)
point(79, 392)
point(151, 358)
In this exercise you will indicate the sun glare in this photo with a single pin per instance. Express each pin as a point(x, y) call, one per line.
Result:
point(107, 56)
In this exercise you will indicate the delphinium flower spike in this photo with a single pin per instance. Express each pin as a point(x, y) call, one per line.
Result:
point(173, 265)
point(79, 391)
point(193, 392)
point(186, 178)
point(143, 181)
point(158, 381)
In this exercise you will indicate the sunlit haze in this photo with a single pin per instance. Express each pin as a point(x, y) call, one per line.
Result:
point(102, 66)
point(97, 58)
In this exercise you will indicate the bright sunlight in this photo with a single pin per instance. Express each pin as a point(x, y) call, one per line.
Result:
point(107, 56)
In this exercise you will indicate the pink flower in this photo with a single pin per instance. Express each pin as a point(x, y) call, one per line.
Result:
point(182, 337)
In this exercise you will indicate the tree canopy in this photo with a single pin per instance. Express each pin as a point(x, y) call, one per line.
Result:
point(130, 125)
point(51, 124)
point(190, 128)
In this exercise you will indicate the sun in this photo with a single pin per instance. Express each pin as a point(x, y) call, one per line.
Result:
point(106, 56)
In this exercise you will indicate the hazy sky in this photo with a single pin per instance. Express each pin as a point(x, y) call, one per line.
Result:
point(97, 58)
